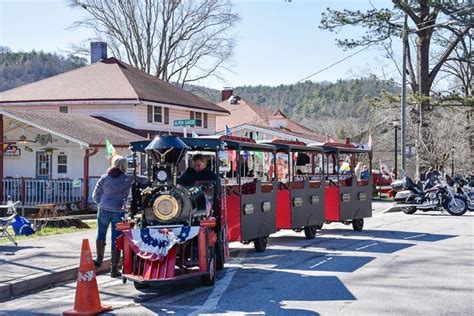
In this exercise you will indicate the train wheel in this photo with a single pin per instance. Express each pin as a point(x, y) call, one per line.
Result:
point(140, 286)
point(310, 232)
point(210, 278)
point(260, 244)
point(358, 224)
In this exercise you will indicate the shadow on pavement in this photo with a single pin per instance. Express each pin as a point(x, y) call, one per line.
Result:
point(298, 260)
point(4, 248)
point(351, 244)
point(391, 234)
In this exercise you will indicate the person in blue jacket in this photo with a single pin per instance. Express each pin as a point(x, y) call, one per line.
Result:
point(111, 194)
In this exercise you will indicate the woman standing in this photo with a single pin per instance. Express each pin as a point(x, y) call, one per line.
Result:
point(110, 194)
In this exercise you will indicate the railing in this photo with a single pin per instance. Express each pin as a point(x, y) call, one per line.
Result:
point(32, 192)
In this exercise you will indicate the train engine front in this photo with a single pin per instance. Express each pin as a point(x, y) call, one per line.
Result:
point(176, 232)
point(165, 201)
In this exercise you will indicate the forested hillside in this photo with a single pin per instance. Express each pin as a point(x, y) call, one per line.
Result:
point(305, 102)
point(17, 69)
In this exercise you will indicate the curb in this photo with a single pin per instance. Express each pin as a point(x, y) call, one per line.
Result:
point(42, 281)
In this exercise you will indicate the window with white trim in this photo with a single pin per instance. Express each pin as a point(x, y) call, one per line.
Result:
point(198, 118)
point(157, 114)
point(62, 163)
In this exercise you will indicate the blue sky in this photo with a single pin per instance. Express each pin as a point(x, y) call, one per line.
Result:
point(277, 42)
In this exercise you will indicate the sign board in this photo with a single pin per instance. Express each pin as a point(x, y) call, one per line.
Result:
point(12, 151)
point(184, 122)
point(76, 183)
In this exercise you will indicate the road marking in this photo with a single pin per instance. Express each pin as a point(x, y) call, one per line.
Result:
point(363, 247)
point(411, 237)
point(220, 288)
point(320, 263)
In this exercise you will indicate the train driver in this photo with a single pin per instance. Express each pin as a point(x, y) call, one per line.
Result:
point(198, 172)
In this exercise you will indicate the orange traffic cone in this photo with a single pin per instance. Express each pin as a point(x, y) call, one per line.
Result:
point(87, 300)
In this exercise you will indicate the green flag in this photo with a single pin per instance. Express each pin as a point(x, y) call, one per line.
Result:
point(257, 154)
point(109, 149)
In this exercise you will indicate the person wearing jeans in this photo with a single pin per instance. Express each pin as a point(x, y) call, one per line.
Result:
point(110, 194)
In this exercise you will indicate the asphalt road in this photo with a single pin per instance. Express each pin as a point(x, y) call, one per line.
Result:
point(421, 264)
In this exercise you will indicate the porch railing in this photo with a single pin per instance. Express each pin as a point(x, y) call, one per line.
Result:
point(32, 192)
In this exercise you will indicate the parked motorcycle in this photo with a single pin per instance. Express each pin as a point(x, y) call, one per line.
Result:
point(466, 189)
point(433, 196)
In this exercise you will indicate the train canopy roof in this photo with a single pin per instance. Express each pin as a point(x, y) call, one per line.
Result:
point(213, 143)
point(294, 146)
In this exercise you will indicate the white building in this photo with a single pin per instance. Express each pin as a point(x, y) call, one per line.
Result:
point(249, 120)
point(54, 129)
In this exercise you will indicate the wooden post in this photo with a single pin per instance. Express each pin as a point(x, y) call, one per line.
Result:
point(85, 187)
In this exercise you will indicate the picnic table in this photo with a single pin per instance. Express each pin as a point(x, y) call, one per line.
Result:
point(50, 210)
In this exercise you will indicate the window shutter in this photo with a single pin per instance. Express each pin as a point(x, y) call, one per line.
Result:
point(205, 120)
point(167, 115)
point(191, 116)
point(150, 113)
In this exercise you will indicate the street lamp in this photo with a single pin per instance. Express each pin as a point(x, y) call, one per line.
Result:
point(396, 127)
point(452, 161)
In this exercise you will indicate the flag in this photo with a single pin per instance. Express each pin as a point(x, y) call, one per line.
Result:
point(227, 130)
point(195, 135)
point(258, 154)
point(109, 150)
point(369, 143)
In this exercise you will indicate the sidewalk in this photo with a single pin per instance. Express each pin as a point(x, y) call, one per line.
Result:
point(40, 263)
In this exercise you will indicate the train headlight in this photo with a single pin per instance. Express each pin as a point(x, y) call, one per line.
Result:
point(162, 176)
point(166, 208)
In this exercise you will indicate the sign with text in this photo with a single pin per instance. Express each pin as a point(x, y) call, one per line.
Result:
point(12, 151)
point(185, 122)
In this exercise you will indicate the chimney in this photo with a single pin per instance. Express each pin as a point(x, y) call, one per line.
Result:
point(98, 51)
point(226, 93)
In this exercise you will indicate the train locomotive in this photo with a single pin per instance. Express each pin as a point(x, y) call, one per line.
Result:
point(174, 230)
point(181, 230)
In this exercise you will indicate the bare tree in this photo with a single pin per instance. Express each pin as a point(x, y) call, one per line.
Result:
point(179, 41)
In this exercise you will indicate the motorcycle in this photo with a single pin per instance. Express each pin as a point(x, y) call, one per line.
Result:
point(466, 189)
point(433, 196)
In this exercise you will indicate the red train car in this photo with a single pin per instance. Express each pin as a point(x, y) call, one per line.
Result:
point(179, 230)
point(348, 192)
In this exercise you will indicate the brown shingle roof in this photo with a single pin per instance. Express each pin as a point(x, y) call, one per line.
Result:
point(80, 128)
point(245, 112)
point(313, 136)
point(109, 79)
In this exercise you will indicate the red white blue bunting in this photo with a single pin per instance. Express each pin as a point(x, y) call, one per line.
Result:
point(155, 243)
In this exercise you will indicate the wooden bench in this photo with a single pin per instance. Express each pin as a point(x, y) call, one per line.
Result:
point(50, 210)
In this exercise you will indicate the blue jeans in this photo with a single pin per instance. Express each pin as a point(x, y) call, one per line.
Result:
point(104, 218)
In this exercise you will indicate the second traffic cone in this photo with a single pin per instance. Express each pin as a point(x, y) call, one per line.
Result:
point(87, 300)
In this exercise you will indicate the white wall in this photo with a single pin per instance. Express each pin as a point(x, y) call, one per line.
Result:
point(25, 166)
point(131, 115)
point(175, 114)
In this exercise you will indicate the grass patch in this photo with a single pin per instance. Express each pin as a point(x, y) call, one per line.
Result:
point(48, 231)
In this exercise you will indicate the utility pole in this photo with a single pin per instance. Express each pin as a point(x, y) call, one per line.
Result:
point(404, 98)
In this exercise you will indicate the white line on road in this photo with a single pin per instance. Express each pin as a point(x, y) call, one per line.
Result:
point(220, 288)
point(411, 237)
point(320, 263)
point(367, 246)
